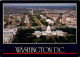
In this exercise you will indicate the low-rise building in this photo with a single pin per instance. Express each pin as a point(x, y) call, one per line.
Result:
point(8, 34)
point(50, 21)
point(43, 17)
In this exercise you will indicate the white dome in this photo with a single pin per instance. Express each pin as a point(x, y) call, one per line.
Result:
point(48, 30)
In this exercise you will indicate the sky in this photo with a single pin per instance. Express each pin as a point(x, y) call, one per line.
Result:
point(39, 4)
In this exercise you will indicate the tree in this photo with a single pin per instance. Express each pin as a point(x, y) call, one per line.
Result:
point(24, 36)
point(43, 38)
point(39, 29)
point(30, 39)
point(38, 16)
point(62, 40)
point(10, 22)
point(45, 23)
point(6, 24)
point(57, 39)
point(71, 39)
point(38, 40)
point(50, 40)
point(23, 24)
point(34, 24)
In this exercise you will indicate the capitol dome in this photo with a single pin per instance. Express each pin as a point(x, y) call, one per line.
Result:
point(48, 30)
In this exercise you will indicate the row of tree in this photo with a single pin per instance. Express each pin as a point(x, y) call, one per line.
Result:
point(69, 30)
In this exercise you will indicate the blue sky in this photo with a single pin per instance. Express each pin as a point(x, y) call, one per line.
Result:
point(38, 4)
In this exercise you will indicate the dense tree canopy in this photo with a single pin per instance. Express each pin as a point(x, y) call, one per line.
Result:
point(26, 36)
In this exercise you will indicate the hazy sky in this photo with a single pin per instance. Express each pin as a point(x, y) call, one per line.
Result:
point(38, 4)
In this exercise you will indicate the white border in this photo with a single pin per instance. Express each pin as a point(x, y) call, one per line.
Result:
point(41, 3)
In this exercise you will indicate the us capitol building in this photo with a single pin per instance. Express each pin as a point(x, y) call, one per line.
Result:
point(48, 32)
